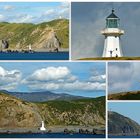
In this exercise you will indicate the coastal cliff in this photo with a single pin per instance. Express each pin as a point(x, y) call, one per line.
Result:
point(47, 36)
point(121, 125)
point(16, 113)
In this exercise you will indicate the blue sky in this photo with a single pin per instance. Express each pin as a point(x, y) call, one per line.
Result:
point(33, 12)
point(76, 78)
point(128, 109)
point(88, 19)
point(123, 76)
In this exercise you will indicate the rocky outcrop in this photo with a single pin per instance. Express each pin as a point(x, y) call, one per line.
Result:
point(121, 125)
point(52, 42)
point(4, 44)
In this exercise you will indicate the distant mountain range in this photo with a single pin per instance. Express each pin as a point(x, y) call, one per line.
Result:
point(131, 95)
point(16, 113)
point(120, 125)
point(43, 96)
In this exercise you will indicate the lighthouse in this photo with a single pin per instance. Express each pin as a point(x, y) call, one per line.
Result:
point(42, 128)
point(112, 33)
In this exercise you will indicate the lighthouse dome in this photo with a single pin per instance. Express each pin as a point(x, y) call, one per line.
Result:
point(112, 15)
point(112, 21)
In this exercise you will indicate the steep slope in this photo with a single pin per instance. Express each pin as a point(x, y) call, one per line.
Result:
point(87, 112)
point(131, 95)
point(15, 113)
point(121, 125)
point(43, 96)
point(46, 36)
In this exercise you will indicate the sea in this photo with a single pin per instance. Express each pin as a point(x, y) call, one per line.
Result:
point(110, 136)
point(50, 135)
point(34, 56)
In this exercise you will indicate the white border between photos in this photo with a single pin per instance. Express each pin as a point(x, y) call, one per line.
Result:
point(70, 60)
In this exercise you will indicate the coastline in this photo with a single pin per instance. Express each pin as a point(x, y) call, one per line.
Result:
point(56, 129)
point(43, 50)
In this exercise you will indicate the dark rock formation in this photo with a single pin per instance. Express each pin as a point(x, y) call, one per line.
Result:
point(121, 125)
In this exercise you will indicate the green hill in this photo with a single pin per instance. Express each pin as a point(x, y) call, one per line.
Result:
point(21, 35)
point(15, 113)
point(87, 112)
point(131, 95)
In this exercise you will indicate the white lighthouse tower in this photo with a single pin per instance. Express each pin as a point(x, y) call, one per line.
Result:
point(42, 128)
point(112, 33)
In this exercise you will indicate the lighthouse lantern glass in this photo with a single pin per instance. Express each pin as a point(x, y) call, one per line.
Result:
point(112, 23)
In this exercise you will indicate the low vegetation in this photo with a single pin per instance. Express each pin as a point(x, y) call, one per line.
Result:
point(16, 113)
point(131, 95)
point(112, 58)
point(20, 35)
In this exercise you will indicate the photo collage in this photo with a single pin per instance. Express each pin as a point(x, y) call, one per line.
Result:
point(69, 70)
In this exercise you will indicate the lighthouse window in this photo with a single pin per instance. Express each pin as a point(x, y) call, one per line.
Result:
point(112, 23)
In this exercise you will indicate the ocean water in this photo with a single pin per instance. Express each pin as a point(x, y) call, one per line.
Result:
point(34, 56)
point(110, 136)
point(51, 135)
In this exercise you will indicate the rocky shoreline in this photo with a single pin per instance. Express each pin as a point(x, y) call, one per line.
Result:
point(56, 129)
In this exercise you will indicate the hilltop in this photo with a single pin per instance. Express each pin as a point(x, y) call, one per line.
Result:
point(112, 58)
point(42, 37)
point(121, 125)
point(131, 95)
point(16, 113)
point(43, 96)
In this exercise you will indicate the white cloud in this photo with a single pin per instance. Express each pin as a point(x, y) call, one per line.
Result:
point(9, 79)
point(34, 14)
point(98, 78)
point(66, 86)
point(65, 5)
point(8, 7)
point(120, 86)
point(60, 78)
point(87, 86)
point(2, 17)
point(49, 73)
point(87, 39)
point(120, 76)
point(136, 66)
point(48, 12)
point(22, 18)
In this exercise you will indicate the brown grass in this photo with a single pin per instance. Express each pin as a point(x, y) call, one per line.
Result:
point(111, 58)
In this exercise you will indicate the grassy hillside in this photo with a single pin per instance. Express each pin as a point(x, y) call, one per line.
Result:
point(78, 112)
point(16, 113)
point(121, 125)
point(20, 35)
point(112, 58)
point(131, 95)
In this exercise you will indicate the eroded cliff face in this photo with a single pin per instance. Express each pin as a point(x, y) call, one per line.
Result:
point(86, 112)
point(47, 36)
point(121, 125)
point(15, 113)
